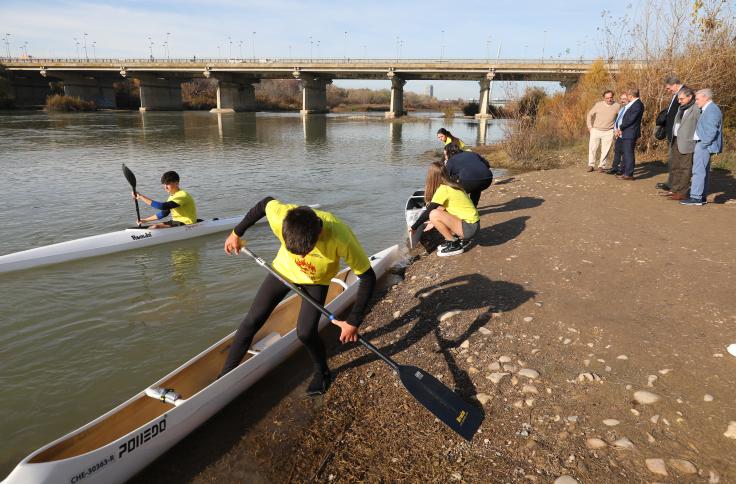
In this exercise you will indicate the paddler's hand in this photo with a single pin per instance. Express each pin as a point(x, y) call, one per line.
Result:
point(233, 244)
point(348, 333)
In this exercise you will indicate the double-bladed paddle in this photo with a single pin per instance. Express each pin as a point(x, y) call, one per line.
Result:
point(131, 179)
point(445, 404)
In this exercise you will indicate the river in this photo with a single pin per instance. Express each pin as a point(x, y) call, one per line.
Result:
point(79, 338)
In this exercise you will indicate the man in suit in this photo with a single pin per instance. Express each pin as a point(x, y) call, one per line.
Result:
point(616, 164)
point(683, 144)
point(708, 141)
point(629, 130)
point(674, 86)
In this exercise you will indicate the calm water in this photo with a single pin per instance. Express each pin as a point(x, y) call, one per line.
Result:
point(79, 338)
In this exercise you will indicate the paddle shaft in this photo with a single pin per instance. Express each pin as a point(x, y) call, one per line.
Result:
point(131, 179)
point(318, 306)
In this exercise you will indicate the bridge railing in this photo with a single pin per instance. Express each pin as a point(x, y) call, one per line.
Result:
point(294, 61)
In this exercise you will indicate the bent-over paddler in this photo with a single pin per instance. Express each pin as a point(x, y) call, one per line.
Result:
point(312, 244)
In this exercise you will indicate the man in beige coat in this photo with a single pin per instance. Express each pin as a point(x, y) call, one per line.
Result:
point(600, 126)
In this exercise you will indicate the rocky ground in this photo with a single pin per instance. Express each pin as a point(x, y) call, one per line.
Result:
point(589, 322)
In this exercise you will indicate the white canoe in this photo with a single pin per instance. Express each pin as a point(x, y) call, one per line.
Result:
point(117, 445)
point(414, 208)
point(120, 241)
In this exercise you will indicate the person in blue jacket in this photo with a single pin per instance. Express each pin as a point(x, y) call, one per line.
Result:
point(470, 170)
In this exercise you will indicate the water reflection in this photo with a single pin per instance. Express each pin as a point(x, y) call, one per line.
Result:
point(315, 128)
point(185, 263)
point(395, 129)
point(482, 132)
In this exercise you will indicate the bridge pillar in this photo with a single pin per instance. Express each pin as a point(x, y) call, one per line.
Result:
point(234, 94)
point(484, 111)
point(314, 93)
point(97, 89)
point(396, 109)
point(568, 83)
point(28, 89)
point(160, 93)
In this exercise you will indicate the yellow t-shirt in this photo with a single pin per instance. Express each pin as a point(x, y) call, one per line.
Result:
point(458, 142)
point(457, 203)
point(186, 212)
point(319, 266)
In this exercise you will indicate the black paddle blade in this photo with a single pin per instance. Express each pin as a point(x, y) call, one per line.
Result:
point(445, 404)
point(129, 176)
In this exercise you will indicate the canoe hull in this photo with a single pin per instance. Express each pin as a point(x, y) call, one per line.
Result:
point(120, 459)
point(120, 241)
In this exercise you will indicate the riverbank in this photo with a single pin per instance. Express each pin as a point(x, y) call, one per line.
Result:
point(599, 286)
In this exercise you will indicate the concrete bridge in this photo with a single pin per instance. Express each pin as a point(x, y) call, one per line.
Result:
point(160, 79)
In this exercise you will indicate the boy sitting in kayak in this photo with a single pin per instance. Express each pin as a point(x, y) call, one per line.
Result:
point(179, 204)
point(449, 210)
point(312, 244)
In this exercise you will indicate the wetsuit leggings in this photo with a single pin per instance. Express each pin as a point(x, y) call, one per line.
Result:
point(474, 187)
point(271, 292)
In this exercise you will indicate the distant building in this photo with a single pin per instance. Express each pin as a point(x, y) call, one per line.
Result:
point(429, 90)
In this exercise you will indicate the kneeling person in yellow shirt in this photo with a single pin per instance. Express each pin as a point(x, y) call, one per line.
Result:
point(449, 209)
point(312, 244)
point(179, 204)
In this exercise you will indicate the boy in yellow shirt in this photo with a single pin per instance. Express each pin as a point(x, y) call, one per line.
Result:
point(312, 244)
point(179, 204)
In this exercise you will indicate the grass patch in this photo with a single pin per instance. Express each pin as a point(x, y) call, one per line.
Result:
point(62, 103)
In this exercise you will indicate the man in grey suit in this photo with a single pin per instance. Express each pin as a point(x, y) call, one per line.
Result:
point(708, 141)
point(683, 144)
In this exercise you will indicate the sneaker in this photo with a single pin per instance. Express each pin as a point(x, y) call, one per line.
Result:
point(319, 384)
point(445, 244)
point(692, 201)
point(662, 186)
point(453, 248)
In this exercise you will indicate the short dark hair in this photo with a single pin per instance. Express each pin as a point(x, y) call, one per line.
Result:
point(686, 91)
point(301, 230)
point(672, 80)
point(452, 149)
point(607, 91)
point(170, 177)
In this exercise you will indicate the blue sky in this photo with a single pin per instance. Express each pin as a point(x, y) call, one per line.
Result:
point(375, 29)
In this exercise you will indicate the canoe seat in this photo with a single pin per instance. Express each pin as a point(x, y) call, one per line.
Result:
point(264, 343)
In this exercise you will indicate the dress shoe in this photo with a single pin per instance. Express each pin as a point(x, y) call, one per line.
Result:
point(626, 177)
point(613, 172)
point(590, 168)
point(662, 186)
point(677, 196)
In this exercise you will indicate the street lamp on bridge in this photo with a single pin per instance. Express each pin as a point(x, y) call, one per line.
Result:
point(86, 56)
point(150, 48)
point(442, 45)
point(77, 42)
point(254, 46)
point(7, 44)
point(94, 50)
point(168, 52)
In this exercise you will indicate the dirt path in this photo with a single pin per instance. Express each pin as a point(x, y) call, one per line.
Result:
point(600, 286)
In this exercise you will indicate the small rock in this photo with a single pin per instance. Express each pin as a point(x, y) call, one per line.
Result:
point(608, 369)
point(645, 398)
point(586, 363)
point(447, 315)
point(514, 380)
point(707, 398)
point(483, 398)
point(665, 371)
point(572, 418)
point(567, 341)
point(470, 359)
point(504, 359)
point(465, 344)
point(529, 373)
point(654, 419)
point(510, 368)
point(456, 476)
point(519, 404)
point(566, 480)
point(611, 422)
point(495, 366)
point(651, 379)
point(622, 357)
point(529, 402)
point(656, 466)
point(634, 411)
point(713, 477)
point(497, 377)
point(731, 431)
point(529, 389)
point(484, 331)
point(397, 314)
point(650, 438)
point(623, 443)
point(595, 443)
point(528, 319)
point(684, 466)
point(472, 370)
